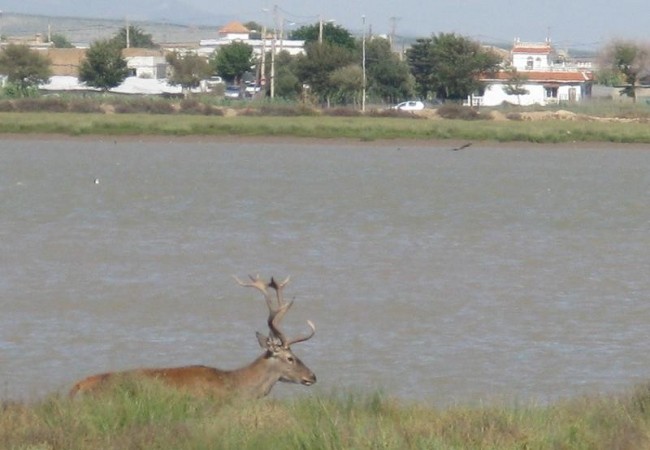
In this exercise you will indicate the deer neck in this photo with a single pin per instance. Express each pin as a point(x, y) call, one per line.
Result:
point(257, 378)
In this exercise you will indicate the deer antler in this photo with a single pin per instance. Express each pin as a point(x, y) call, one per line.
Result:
point(276, 313)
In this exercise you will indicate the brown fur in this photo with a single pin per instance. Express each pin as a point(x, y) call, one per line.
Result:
point(254, 380)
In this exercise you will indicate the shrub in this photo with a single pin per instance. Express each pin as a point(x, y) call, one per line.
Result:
point(43, 104)
point(342, 112)
point(393, 113)
point(145, 105)
point(451, 111)
point(210, 110)
point(514, 116)
point(193, 106)
point(84, 106)
point(7, 106)
point(286, 110)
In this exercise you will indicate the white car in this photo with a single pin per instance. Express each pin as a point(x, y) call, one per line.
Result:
point(233, 92)
point(214, 81)
point(412, 105)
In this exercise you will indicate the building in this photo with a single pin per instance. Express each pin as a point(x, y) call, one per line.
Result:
point(145, 63)
point(141, 62)
point(65, 61)
point(542, 75)
point(236, 32)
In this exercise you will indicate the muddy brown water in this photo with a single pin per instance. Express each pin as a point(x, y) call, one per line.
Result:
point(495, 272)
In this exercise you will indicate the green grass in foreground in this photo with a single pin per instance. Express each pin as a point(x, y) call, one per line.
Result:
point(151, 416)
point(360, 128)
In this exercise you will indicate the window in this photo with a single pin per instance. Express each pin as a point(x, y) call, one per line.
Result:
point(551, 92)
point(529, 63)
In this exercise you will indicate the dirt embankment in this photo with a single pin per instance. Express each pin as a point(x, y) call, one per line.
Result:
point(561, 115)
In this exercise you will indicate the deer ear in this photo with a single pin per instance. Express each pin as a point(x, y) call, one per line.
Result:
point(263, 341)
point(268, 343)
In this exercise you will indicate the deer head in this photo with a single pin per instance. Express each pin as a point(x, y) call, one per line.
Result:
point(278, 347)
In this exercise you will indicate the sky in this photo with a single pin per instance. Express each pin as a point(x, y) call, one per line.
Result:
point(580, 24)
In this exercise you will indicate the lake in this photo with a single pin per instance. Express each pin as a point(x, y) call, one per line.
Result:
point(494, 273)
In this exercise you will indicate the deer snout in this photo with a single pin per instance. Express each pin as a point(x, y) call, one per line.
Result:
point(309, 380)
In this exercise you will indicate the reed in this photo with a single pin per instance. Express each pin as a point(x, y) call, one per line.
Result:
point(148, 415)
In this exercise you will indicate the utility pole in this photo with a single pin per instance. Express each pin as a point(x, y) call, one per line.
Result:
point(275, 37)
point(363, 65)
point(320, 29)
point(262, 80)
point(128, 38)
point(281, 33)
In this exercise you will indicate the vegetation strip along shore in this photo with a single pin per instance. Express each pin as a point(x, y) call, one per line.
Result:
point(149, 415)
point(325, 127)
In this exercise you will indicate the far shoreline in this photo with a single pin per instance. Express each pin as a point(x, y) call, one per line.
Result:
point(398, 143)
point(411, 130)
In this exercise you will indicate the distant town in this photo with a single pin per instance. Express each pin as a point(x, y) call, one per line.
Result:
point(552, 75)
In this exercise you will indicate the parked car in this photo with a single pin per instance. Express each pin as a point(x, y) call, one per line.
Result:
point(252, 89)
point(411, 105)
point(213, 81)
point(233, 91)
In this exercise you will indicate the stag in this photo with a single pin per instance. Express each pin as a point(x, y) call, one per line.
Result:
point(277, 363)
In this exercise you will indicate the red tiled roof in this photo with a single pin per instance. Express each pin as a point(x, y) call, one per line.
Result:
point(544, 76)
point(534, 50)
point(234, 28)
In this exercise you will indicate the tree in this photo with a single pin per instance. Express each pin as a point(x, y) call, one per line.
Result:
point(449, 65)
point(188, 70)
point(137, 38)
point(631, 60)
point(319, 61)
point(331, 34)
point(104, 67)
point(60, 41)
point(287, 84)
point(255, 29)
point(421, 65)
point(388, 77)
point(232, 61)
point(515, 85)
point(349, 82)
point(24, 68)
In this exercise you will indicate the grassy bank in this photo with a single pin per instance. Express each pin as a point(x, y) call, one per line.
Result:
point(360, 128)
point(155, 417)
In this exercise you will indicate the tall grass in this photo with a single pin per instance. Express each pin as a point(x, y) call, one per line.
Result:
point(152, 416)
point(361, 128)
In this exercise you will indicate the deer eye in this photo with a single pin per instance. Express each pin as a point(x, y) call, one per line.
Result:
point(291, 359)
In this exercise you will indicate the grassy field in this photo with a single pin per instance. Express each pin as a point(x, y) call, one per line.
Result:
point(327, 127)
point(153, 417)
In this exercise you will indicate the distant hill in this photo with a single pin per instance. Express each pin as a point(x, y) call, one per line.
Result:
point(142, 10)
point(86, 30)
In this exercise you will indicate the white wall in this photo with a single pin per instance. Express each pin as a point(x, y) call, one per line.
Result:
point(495, 95)
point(540, 62)
point(146, 66)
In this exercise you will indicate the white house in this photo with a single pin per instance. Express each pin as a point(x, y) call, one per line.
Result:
point(546, 77)
point(236, 32)
point(145, 63)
